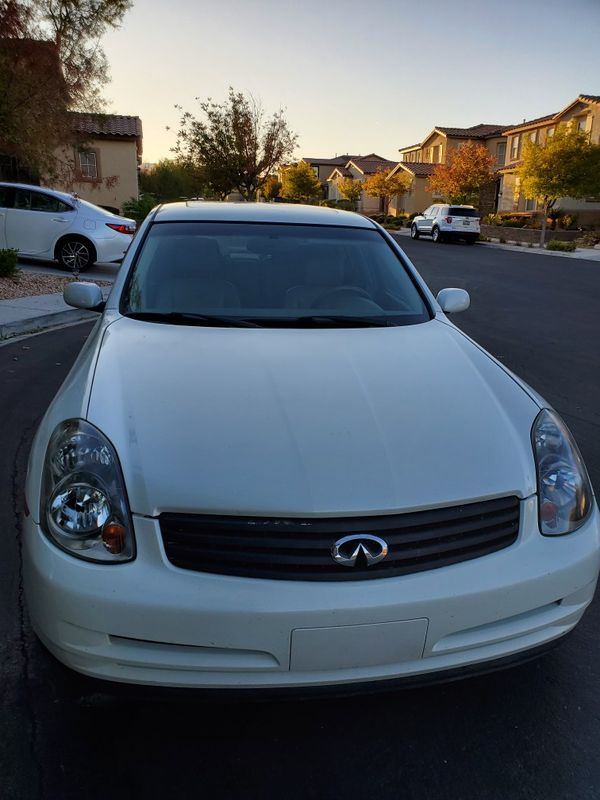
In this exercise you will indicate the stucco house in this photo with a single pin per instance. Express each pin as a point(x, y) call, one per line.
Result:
point(583, 112)
point(322, 168)
point(358, 168)
point(103, 166)
point(419, 161)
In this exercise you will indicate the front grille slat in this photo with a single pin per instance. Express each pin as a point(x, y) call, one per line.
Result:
point(300, 549)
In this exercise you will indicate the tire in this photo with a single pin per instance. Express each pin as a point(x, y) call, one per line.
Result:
point(75, 252)
point(414, 232)
point(471, 239)
point(436, 235)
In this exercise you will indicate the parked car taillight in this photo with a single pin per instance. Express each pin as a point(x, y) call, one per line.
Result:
point(121, 228)
point(448, 219)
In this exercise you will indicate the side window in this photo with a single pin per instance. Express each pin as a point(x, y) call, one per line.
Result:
point(23, 199)
point(427, 212)
point(45, 202)
point(5, 195)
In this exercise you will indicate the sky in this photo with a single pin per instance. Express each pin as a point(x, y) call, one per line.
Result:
point(354, 76)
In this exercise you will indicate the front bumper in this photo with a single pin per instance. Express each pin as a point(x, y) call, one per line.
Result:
point(148, 622)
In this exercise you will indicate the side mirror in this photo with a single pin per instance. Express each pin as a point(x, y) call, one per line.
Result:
point(84, 295)
point(453, 300)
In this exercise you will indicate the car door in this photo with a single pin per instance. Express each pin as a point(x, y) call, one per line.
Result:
point(421, 221)
point(36, 220)
point(6, 195)
point(427, 221)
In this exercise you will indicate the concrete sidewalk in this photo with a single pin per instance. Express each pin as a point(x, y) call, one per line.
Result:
point(585, 253)
point(37, 313)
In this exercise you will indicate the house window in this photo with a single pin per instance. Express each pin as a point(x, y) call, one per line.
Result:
point(88, 164)
point(530, 204)
point(581, 123)
point(550, 132)
point(533, 137)
point(500, 154)
point(514, 147)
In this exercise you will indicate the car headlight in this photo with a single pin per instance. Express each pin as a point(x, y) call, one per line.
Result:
point(564, 489)
point(84, 507)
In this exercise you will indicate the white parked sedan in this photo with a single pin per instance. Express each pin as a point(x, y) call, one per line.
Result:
point(277, 463)
point(51, 225)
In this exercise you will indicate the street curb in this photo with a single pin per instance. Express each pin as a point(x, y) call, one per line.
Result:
point(43, 322)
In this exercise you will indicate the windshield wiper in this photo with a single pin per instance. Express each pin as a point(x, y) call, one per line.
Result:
point(326, 321)
point(190, 318)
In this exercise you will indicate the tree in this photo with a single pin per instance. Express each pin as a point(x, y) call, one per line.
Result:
point(566, 165)
point(468, 170)
point(172, 180)
point(300, 183)
point(51, 62)
point(235, 143)
point(271, 188)
point(350, 190)
point(385, 186)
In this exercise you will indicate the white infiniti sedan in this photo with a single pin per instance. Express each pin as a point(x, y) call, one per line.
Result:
point(277, 463)
point(50, 225)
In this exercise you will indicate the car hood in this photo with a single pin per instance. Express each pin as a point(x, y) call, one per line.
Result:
point(300, 422)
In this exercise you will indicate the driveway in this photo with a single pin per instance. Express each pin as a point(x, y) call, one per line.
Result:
point(528, 733)
point(99, 272)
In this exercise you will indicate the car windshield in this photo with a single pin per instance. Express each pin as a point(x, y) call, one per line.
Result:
point(271, 274)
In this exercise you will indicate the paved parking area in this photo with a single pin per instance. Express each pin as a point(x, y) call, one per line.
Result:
point(527, 733)
point(99, 272)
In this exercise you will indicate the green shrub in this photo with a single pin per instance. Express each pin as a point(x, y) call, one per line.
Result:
point(140, 208)
point(565, 247)
point(8, 263)
point(483, 238)
point(569, 222)
point(512, 222)
point(492, 219)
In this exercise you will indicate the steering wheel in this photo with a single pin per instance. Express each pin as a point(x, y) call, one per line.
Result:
point(329, 293)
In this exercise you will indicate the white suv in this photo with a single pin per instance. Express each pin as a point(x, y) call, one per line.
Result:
point(444, 222)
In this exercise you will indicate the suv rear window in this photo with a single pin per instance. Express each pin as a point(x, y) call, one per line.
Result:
point(459, 211)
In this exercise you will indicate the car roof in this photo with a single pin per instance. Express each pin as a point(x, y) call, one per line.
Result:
point(45, 189)
point(280, 213)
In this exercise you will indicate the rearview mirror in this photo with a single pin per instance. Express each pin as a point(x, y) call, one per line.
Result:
point(84, 295)
point(453, 300)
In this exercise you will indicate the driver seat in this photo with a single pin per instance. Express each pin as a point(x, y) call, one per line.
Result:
point(324, 271)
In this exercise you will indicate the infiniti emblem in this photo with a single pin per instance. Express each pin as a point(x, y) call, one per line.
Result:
point(359, 549)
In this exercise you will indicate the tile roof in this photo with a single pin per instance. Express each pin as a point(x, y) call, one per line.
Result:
point(107, 125)
point(527, 122)
point(370, 165)
point(419, 169)
point(481, 131)
point(345, 173)
point(595, 98)
point(333, 161)
point(410, 147)
point(509, 167)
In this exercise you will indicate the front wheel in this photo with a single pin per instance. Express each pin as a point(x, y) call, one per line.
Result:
point(436, 235)
point(414, 232)
point(75, 254)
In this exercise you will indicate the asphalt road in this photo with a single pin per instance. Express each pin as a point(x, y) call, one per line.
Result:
point(529, 732)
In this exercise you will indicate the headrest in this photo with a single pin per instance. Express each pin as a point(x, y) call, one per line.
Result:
point(324, 265)
point(196, 255)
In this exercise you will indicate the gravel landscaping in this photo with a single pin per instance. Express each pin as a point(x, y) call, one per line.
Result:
point(28, 284)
